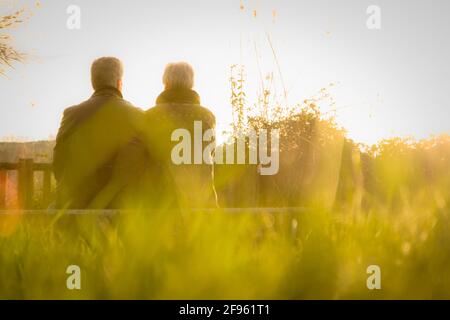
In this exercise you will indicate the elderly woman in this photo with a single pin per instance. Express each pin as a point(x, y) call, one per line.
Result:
point(178, 109)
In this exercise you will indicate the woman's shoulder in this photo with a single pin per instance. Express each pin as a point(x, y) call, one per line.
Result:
point(209, 115)
point(180, 110)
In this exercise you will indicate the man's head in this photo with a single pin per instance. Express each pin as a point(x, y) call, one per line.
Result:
point(178, 75)
point(107, 72)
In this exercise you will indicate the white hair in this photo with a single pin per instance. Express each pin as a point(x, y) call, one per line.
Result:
point(106, 72)
point(178, 75)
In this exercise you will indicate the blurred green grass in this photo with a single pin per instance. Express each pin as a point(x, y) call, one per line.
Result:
point(312, 255)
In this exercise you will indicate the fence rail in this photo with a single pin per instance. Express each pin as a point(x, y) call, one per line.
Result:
point(25, 182)
point(26, 196)
point(281, 210)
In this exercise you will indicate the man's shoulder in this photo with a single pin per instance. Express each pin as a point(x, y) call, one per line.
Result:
point(119, 103)
point(76, 109)
point(92, 103)
point(129, 106)
point(131, 110)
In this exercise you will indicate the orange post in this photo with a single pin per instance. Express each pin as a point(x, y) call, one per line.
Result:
point(3, 175)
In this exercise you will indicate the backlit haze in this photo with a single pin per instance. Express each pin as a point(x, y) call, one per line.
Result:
point(392, 81)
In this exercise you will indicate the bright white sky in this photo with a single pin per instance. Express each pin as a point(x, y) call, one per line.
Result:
point(393, 81)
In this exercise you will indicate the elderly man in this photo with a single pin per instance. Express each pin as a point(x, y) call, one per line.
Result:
point(91, 135)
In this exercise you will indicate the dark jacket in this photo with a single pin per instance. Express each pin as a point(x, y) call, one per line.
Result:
point(89, 138)
point(191, 184)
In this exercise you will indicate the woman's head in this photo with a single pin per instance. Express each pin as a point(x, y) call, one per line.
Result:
point(178, 75)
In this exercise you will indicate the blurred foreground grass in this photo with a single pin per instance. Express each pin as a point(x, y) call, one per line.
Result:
point(318, 254)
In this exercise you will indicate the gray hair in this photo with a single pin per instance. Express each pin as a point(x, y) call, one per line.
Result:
point(106, 72)
point(178, 75)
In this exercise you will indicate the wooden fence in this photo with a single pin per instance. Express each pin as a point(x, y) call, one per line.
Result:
point(233, 201)
point(238, 185)
point(26, 169)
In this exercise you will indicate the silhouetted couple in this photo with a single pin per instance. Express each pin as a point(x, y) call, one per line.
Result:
point(112, 155)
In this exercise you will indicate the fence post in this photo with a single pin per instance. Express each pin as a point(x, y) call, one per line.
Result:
point(3, 175)
point(26, 183)
point(47, 186)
